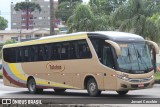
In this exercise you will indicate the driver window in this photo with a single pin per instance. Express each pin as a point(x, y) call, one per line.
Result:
point(108, 57)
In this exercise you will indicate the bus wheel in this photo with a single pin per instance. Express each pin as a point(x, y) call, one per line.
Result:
point(122, 92)
point(32, 87)
point(92, 88)
point(59, 90)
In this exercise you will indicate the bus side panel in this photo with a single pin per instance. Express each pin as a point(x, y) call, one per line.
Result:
point(11, 77)
point(50, 77)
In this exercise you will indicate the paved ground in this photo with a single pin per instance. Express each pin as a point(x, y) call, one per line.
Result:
point(81, 96)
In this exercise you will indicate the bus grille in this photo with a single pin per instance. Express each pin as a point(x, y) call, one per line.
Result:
point(140, 80)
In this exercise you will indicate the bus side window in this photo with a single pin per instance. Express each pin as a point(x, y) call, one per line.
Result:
point(6, 54)
point(84, 51)
point(56, 50)
point(45, 52)
point(36, 53)
point(64, 51)
point(25, 55)
point(108, 57)
point(72, 51)
point(32, 53)
point(18, 54)
point(98, 46)
point(12, 55)
point(40, 53)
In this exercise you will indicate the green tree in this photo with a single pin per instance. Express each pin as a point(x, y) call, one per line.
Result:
point(3, 23)
point(28, 7)
point(132, 17)
point(156, 20)
point(83, 19)
point(152, 6)
point(105, 6)
point(65, 10)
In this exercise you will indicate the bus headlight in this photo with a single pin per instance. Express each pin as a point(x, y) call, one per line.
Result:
point(122, 77)
point(152, 76)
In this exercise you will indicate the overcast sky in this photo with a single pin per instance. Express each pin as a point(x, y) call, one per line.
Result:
point(5, 9)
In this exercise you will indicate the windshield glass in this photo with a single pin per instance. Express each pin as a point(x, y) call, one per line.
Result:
point(134, 58)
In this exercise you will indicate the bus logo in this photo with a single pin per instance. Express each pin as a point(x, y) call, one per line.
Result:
point(55, 67)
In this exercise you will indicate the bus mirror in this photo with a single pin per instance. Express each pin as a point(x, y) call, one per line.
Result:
point(155, 46)
point(115, 45)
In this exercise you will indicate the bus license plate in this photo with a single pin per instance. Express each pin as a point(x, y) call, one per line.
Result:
point(140, 85)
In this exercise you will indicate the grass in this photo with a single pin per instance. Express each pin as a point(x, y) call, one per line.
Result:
point(157, 75)
point(0, 73)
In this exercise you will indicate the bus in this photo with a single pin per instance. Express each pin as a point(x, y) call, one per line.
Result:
point(95, 61)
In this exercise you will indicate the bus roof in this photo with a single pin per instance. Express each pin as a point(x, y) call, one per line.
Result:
point(111, 35)
point(116, 36)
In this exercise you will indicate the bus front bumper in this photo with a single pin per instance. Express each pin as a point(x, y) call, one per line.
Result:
point(134, 84)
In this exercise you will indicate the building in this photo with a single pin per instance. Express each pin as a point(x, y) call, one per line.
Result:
point(36, 19)
point(23, 35)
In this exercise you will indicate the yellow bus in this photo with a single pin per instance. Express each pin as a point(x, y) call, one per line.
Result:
point(96, 61)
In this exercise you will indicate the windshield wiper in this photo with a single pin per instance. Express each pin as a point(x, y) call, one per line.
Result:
point(140, 57)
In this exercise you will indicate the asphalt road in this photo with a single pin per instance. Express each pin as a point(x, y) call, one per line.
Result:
point(81, 96)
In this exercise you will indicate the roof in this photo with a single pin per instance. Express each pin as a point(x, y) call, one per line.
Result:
point(111, 35)
point(116, 36)
point(64, 35)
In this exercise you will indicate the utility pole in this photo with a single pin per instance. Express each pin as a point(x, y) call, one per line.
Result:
point(51, 17)
point(27, 13)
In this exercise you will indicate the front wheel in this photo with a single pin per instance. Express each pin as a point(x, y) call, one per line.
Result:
point(92, 88)
point(32, 87)
point(122, 92)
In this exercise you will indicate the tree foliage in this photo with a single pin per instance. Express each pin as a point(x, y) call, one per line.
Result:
point(27, 6)
point(135, 16)
point(65, 10)
point(105, 6)
point(132, 17)
point(83, 19)
point(3, 23)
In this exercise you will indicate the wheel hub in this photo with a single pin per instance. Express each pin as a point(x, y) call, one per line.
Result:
point(92, 87)
point(32, 87)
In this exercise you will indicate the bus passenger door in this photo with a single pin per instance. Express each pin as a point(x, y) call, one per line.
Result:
point(108, 60)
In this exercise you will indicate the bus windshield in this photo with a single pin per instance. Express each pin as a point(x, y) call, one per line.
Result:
point(134, 58)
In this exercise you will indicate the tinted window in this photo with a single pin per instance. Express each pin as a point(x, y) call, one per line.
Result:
point(104, 52)
point(77, 49)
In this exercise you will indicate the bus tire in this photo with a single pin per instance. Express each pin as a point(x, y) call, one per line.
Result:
point(92, 88)
point(32, 87)
point(59, 90)
point(122, 93)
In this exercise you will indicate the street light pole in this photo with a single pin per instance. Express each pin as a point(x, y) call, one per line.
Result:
point(51, 17)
